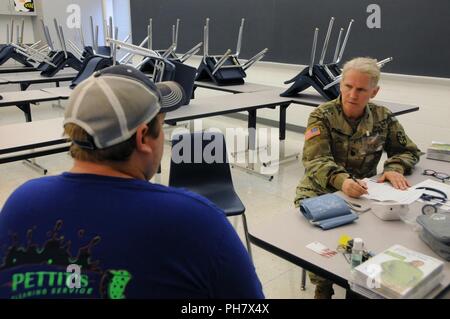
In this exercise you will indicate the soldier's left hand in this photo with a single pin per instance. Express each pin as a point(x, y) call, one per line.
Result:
point(396, 179)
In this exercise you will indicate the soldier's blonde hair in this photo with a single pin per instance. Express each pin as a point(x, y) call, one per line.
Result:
point(364, 65)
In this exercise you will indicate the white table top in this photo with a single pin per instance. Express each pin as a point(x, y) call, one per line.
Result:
point(30, 134)
point(290, 232)
point(247, 87)
point(315, 99)
point(13, 98)
point(212, 106)
point(309, 97)
point(63, 91)
point(13, 78)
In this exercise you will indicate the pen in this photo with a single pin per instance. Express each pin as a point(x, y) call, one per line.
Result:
point(354, 179)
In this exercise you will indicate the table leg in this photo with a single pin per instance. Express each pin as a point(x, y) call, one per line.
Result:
point(251, 138)
point(32, 164)
point(26, 109)
point(282, 158)
point(24, 85)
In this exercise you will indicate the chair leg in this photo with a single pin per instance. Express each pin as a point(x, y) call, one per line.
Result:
point(303, 286)
point(235, 223)
point(247, 239)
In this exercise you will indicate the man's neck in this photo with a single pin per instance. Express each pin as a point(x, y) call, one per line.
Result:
point(352, 113)
point(354, 116)
point(107, 169)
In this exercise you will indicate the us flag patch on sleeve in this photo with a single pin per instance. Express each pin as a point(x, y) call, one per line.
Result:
point(314, 131)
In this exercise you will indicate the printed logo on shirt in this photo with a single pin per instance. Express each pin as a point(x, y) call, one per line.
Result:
point(42, 271)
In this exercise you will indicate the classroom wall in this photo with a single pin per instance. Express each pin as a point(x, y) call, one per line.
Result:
point(58, 9)
point(121, 9)
point(28, 35)
point(414, 32)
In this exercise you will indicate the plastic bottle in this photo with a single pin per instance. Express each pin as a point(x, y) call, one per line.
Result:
point(357, 252)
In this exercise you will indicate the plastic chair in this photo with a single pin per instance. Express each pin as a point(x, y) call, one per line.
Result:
point(91, 64)
point(9, 52)
point(211, 179)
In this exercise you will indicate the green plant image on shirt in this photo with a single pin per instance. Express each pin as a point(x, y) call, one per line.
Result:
point(118, 283)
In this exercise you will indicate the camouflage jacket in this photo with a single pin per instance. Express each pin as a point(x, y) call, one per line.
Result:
point(332, 151)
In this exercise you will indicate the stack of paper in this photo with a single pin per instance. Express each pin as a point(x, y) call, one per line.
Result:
point(398, 273)
point(439, 151)
point(385, 192)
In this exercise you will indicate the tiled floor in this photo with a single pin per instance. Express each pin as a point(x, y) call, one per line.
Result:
point(264, 199)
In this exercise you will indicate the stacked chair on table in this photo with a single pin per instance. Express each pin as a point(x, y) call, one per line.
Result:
point(169, 53)
point(224, 69)
point(323, 77)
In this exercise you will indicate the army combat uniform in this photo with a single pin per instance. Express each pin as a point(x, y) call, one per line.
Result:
point(337, 147)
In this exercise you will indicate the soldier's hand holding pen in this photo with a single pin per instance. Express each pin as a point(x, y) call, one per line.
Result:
point(354, 188)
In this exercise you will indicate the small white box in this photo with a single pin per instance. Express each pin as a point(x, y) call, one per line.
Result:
point(389, 211)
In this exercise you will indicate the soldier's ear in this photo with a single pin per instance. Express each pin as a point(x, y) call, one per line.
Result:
point(375, 92)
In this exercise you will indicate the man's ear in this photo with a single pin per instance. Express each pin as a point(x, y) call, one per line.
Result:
point(375, 92)
point(143, 139)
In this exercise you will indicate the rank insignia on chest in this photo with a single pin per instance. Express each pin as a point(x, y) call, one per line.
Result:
point(314, 131)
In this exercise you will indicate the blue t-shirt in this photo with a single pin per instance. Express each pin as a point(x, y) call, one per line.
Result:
point(131, 238)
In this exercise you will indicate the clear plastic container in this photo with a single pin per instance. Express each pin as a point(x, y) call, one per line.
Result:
point(357, 252)
point(410, 217)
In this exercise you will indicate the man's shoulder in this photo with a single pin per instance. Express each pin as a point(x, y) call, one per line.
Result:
point(326, 111)
point(42, 188)
point(49, 185)
point(326, 108)
point(380, 113)
point(35, 184)
point(379, 109)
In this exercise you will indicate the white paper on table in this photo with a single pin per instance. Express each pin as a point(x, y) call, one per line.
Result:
point(321, 249)
point(385, 192)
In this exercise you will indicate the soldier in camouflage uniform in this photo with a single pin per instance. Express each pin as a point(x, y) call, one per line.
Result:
point(346, 137)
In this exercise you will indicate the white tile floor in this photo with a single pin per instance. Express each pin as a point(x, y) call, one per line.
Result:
point(263, 199)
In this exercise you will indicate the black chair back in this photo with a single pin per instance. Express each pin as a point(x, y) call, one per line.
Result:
point(90, 65)
point(185, 76)
point(200, 164)
point(199, 159)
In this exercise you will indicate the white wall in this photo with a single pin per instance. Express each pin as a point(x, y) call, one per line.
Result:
point(100, 10)
point(58, 9)
point(28, 35)
point(122, 17)
point(50, 9)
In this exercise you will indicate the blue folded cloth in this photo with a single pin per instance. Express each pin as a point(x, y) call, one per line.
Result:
point(327, 211)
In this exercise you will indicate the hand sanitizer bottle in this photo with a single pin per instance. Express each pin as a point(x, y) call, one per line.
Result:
point(357, 252)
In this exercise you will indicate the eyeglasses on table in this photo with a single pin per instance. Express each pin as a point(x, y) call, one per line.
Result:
point(443, 177)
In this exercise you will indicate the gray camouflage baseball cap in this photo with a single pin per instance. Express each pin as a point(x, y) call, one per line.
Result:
point(113, 102)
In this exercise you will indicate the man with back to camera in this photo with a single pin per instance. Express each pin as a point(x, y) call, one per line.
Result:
point(344, 141)
point(130, 238)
